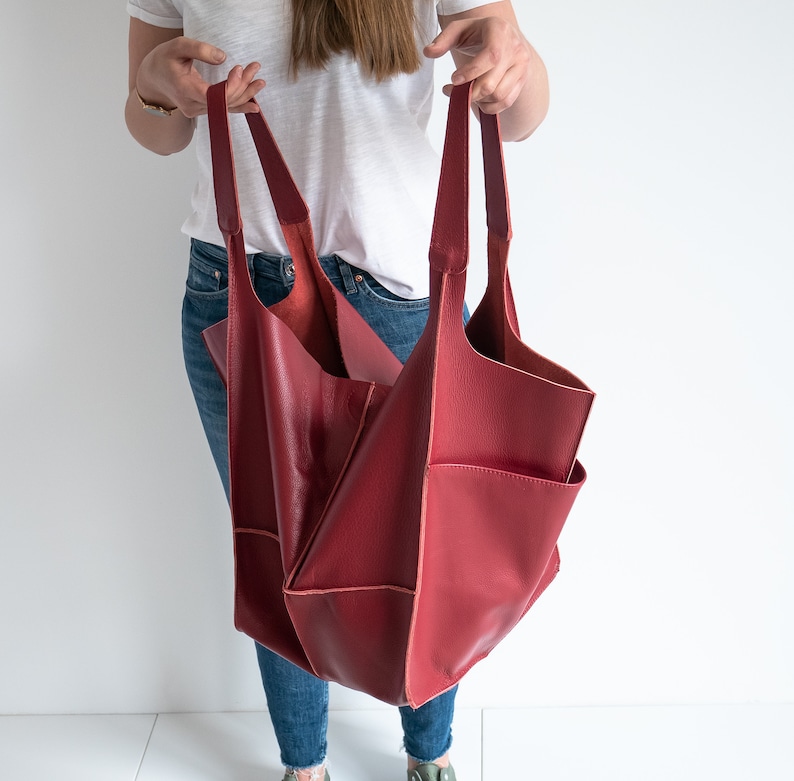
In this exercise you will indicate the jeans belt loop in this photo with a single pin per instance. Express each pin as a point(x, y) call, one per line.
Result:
point(347, 276)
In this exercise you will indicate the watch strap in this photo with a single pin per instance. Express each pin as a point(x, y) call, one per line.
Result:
point(153, 108)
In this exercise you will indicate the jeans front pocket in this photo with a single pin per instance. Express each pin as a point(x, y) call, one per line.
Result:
point(382, 296)
point(208, 271)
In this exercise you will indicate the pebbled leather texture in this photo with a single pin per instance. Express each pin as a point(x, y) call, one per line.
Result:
point(385, 556)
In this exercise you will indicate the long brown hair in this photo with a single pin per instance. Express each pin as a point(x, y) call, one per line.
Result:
point(378, 33)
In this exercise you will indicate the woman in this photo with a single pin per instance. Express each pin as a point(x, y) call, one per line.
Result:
point(348, 99)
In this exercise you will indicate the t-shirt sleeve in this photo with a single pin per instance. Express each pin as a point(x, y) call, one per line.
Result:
point(449, 7)
point(160, 13)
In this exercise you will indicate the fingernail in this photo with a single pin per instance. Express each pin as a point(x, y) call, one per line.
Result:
point(457, 78)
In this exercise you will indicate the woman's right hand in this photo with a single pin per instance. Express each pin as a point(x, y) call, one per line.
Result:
point(168, 77)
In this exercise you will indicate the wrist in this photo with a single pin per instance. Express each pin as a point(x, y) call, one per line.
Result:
point(148, 95)
point(160, 134)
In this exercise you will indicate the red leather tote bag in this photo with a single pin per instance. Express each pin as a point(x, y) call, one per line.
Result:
point(391, 524)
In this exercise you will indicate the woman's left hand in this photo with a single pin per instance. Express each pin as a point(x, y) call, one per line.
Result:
point(491, 52)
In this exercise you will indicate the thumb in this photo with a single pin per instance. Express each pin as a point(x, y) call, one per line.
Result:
point(191, 49)
point(442, 43)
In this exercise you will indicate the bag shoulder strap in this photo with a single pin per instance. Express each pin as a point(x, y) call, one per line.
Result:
point(449, 246)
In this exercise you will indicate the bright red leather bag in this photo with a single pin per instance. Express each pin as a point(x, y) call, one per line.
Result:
point(391, 524)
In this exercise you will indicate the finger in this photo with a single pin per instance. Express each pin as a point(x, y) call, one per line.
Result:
point(192, 49)
point(489, 63)
point(233, 79)
point(239, 78)
point(248, 80)
point(494, 100)
point(242, 85)
point(492, 105)
point(497, 48)
point(245, 108)
point(235, 85)
point(447, 39)
point(493, 95)
point(250, 71)
point(245, 104)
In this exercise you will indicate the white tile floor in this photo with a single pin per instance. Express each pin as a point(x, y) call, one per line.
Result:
point(708, 743)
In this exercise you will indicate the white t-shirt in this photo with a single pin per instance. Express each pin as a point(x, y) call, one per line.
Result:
point(357, 150)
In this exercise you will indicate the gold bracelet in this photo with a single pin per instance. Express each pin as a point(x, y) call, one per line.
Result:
point(153, 108)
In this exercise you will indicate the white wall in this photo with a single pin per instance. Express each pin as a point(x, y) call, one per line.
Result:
point(653, 254)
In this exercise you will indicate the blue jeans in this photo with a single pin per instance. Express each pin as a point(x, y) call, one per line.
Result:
point(297, 701)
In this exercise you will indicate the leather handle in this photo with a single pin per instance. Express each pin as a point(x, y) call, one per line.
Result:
point(290, 207)
point(225, 181)
point(449, 245)
point(497, 203)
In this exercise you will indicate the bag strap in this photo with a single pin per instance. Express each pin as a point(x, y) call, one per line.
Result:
point(290, 207)
point(497, 202)
point(310, 310)
point(449, 245)
point(224, 179)
point(327, 326)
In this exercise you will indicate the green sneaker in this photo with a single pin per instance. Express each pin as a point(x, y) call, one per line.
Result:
point(427, 771)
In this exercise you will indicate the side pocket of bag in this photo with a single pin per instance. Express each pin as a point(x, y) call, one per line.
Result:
point(489, 547)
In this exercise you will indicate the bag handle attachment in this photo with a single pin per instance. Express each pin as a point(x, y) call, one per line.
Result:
point(449, 246)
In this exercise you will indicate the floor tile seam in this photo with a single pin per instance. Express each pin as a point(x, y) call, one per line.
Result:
point(146, 747)
point(482, 744)
point(638, 707)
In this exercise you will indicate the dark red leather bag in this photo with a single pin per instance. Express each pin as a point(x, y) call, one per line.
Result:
point(391, 524)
